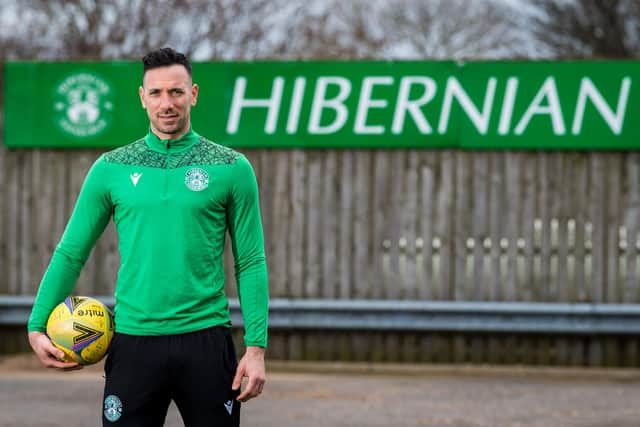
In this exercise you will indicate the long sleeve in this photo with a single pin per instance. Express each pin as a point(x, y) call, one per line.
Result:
point(87, 222)
point(245, 229)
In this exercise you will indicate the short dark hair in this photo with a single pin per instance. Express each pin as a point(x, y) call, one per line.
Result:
point(164, 57)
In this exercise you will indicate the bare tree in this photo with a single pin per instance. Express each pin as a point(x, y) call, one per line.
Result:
point(124, 29)
point(588, 28)
point(329, 29)
point(394, 29)
point(450, 29)
point(257, 29)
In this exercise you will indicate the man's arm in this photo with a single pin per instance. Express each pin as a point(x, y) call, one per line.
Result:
point(89, 218)
point(247, 241)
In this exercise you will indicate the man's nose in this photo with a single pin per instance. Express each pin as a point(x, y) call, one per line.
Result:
point(166, 102)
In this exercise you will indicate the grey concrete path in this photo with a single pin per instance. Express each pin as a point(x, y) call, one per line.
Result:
point(314, 395)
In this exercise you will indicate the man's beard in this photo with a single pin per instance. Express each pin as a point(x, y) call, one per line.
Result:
point(173, 129)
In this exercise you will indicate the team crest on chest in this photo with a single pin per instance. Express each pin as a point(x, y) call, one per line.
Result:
point(196, 179)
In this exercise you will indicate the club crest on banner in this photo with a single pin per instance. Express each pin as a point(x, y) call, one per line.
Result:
point(83, 105)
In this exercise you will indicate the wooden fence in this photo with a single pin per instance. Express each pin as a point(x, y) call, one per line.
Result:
point(393, 224)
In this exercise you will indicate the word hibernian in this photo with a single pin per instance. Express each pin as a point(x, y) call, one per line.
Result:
point(334, 97)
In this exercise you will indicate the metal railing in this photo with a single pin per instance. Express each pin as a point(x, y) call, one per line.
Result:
point(415, 316)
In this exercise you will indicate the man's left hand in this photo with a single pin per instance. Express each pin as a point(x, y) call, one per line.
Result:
point(251, 366)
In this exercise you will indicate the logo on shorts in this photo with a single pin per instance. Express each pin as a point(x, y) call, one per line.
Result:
point(196, 179)
point(112, 408)
point(83, 105)
point(229, 406)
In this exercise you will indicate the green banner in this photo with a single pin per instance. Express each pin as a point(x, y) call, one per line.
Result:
point(475, 105)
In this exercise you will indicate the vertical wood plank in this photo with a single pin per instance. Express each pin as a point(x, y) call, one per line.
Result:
point(345, 233)
point(547, 180)
point(395, 284)
point(528, 226)
point(392, 347)
point(632, 213)
point(557, 169)
point(312, 348)
point(563, 213)
point(480, 224)
point(613, 286)
point(427, 197)
point(573, 215)
point(462, 289)
point(409, 348)
point(443, 225)
point(361, 346)
point(597, 213)
point(361, 258)
point(380, 231)
point(630, 353)
point(277, 347)
point(410, 216)
point(41, 216)
point(313, 225)
point(497, 209)
point(530, 252)
point(13, 224)
point(330, 202)
point(496, 213)
point(62, 195)
point(295, 349)
point(4, 211)
point(281, 219)
point(614, 169)
point(550, 212)
point(45, 217)
point(296, 254)
point(4, 153)
point(26, 221)
point(512, 209)
point(580, 178)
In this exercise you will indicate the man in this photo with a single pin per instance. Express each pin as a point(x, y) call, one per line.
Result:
point(172, 196)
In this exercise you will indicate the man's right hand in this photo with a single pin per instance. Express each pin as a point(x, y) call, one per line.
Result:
point(49, 354)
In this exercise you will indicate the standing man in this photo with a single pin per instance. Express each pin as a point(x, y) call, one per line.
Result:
point(172, 195)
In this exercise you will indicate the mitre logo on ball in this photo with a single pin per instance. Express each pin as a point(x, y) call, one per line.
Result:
point(83, 105)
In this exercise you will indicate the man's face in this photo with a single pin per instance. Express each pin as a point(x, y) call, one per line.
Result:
point(168, 95)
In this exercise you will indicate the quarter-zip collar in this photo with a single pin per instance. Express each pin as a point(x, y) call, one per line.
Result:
point(171, 145)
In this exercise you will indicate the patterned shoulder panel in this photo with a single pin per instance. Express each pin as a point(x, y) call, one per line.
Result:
point(205, 152)
point(136, 153)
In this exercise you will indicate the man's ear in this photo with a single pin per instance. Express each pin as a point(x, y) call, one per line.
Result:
point(141, 92)
point(194, 94)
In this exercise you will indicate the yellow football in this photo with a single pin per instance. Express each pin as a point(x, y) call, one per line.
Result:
point(82, 327)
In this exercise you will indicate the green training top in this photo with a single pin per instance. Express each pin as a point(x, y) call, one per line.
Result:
point(172, 202)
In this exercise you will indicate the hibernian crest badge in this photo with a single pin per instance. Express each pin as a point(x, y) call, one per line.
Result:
point(196, 179)
point(83, 105)
point(112, 408)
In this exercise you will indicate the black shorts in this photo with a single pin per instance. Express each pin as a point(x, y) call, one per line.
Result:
point(195, 370)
